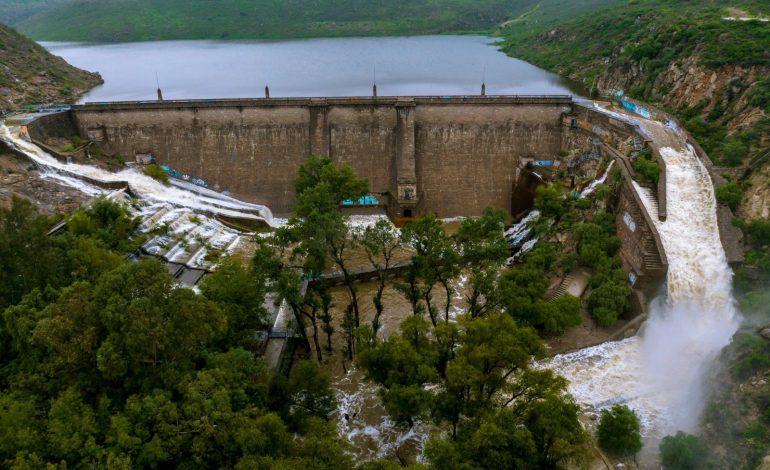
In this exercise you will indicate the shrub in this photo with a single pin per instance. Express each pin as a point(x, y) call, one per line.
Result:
point(608, 301)
point(759, 231)
point(760, 96)
point(755, 355)
point(730, 194)
point(560, 314)
point(733, 152)
point(647, 170)
point(682, 452)
point(66, 148)
point(550, 201)
point(154, 171)
point(619, 431)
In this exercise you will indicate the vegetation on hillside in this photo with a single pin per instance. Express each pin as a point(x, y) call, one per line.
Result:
point(140, 20)
point(648, 48)
point(30, 74)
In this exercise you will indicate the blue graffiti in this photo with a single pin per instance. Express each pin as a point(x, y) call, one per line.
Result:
point(644, 112)
point(184, 176)
point(362, 201)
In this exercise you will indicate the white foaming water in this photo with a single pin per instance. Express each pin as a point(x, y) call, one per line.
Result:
point(141, 184)
point(362, 419)
point(660, 374)
point(592, 187)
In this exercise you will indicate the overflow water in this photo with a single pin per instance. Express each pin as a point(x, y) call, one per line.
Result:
point(140, 184)
point(661, 373)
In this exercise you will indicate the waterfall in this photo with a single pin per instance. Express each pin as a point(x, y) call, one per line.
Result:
point(660, 373)
point(592, 187)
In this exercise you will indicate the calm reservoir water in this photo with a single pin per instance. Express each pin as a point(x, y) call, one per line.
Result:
point(417, 65)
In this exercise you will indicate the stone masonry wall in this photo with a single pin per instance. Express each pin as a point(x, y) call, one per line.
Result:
point(464, 150)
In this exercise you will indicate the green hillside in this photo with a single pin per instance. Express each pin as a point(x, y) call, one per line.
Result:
point(13, 11)
point(30, 74)
point(139, 20)
point(654, 31)
point(685, 56)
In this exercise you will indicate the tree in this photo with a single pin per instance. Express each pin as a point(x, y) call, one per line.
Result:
point(560, 314)
point(619, 431)
point(241, 297)
point(29, 257)
point(608, 301)
point(559, 437)
point(435, 262)
point(550, 201)
point(402, 364)
point(380, 242)
point(114, 366)
point(339, 183)
point(682, 451)
point(483, 250)
point(322, 230)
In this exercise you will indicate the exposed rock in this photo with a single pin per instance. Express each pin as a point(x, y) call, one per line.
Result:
point(765, 332)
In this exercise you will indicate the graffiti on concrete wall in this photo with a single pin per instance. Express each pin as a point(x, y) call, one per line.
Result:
point(184, 176)
point(629, 221)
point(361, 201)
point(634, 108)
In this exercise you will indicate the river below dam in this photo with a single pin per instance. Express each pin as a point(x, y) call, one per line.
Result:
point(415, 65)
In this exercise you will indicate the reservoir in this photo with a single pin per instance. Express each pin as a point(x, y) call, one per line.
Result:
point(416, 65)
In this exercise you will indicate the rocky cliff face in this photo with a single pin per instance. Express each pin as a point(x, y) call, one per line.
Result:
point(689, 84)
point(30, 74)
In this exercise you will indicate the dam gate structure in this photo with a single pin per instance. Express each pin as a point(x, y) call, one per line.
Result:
point(453, 156)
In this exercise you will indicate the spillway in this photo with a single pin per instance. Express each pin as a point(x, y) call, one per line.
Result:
point(142, 185)
point(660, 373)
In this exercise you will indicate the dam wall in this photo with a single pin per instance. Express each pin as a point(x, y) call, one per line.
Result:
point(448, 155)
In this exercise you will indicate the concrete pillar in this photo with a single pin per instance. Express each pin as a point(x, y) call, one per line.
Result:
point(407, 193)
point(319, 128)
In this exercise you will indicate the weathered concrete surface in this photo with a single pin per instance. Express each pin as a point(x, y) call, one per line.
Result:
point(448, 155)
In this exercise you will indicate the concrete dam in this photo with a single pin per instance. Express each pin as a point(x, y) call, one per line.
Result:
point(447, 155)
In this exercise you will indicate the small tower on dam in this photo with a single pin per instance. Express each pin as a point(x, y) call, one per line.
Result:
point(407, 195)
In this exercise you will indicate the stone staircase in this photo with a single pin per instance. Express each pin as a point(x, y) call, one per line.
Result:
point(652, 259)
point(574, 283)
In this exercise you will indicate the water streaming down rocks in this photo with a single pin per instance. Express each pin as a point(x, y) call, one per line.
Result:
point(597, 182)
point(660, 373)
point(177, 219)
point(198, 199)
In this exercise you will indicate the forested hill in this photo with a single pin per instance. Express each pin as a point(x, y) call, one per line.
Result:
point(30, 74)
point(141, 20)
point(708, 61)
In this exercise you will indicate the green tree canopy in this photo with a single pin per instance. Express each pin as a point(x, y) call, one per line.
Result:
point(619, 431)
point(682, 451)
